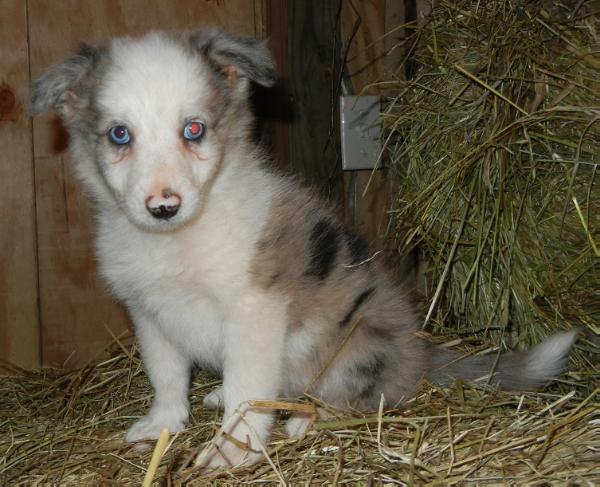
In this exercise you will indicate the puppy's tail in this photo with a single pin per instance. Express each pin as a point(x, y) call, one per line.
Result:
point(518, 371)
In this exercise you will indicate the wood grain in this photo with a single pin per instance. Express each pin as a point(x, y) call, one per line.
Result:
point(304, 41)
point(19, 323)
point(365, 59)
point(75, 308)
point(365, 62)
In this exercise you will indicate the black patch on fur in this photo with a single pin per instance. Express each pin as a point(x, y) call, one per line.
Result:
point(361, 298)
point(368, 374)
point(357, 248)
point(324, 245)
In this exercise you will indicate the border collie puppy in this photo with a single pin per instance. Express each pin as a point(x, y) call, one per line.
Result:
point(222, 262)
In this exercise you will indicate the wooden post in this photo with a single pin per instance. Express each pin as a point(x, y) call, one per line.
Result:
point(305, 41)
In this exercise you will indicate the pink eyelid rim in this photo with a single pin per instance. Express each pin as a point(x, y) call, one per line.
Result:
point(121, 157)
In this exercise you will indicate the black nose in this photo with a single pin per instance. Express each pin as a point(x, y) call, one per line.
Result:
point(163, 212)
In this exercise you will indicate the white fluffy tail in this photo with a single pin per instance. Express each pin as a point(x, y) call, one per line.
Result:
point(521, 371)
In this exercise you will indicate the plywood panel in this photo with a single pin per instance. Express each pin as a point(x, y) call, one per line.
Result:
point(75, 309)
point(19, 325)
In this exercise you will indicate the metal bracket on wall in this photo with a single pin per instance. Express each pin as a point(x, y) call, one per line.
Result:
point(361, 144)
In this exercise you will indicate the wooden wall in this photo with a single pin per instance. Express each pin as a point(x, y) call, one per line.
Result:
point(54, 311)
point(19, 331)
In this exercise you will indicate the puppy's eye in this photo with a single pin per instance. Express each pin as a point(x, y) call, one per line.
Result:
point(119, 135)
point(193, 130)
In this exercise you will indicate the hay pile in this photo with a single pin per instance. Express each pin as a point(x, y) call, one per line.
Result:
point(495, 146)
point(67, 428)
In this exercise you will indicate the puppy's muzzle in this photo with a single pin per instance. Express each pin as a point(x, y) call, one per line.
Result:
point(163, 206)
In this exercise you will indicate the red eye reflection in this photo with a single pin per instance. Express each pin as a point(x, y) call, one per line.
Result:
point(193, 130)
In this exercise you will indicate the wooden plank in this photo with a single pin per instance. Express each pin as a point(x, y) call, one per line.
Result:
point(365, 59)
point(365, 63)
point(19, 323)
point(275, 107)
point(75, 308)
point(304, 42)
point(395, 17)
point(260, 19)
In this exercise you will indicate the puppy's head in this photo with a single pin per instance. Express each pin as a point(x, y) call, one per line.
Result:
point(151, 119)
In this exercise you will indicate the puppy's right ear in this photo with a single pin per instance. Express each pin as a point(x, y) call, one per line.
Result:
point(236, 56)
point(63, 86)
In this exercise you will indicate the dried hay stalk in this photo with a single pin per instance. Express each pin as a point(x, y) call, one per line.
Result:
point(494, 146)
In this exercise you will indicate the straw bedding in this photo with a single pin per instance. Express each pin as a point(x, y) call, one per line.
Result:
point(494, 149)
point(67, 428)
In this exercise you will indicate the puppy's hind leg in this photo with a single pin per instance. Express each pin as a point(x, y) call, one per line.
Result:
point(169, 371)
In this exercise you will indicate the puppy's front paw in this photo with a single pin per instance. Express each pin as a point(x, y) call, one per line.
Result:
point(150, 426)
point(227, 452)
point(240, 441)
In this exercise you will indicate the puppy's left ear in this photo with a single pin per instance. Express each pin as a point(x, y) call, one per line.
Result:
point(66, 86)
point(236, 56)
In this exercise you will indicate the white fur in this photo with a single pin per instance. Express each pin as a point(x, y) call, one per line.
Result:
point(298, 424)
point(546, 360)
point(186, 282)
point(188, 293)
point(154, 102)
point(214, 399)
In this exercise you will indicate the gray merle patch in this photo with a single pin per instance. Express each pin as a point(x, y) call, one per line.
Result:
point(368, 375)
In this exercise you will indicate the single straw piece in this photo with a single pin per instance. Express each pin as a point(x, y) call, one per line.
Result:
point(159, 450)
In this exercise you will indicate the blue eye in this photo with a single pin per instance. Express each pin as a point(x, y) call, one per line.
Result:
point(193, 130)
point(119, 135)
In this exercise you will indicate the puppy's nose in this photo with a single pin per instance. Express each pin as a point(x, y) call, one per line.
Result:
point(165, 205)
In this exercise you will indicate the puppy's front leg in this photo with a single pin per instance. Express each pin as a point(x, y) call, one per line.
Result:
point(253, 363)
point(169, 372)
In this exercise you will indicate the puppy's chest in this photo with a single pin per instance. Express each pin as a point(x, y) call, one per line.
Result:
point(170, 267)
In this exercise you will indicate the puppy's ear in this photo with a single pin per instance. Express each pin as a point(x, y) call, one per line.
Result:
point(62, 86)
point(236, 56)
